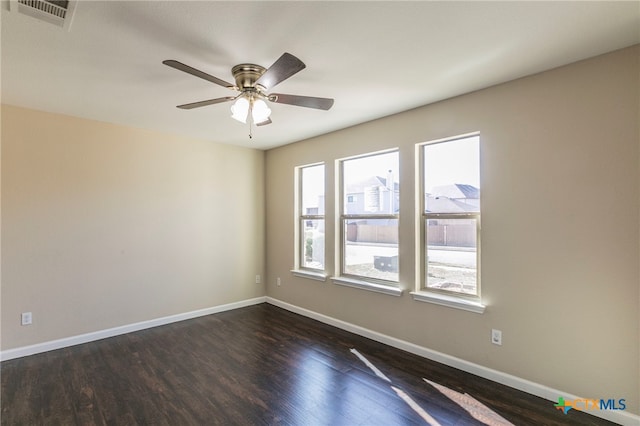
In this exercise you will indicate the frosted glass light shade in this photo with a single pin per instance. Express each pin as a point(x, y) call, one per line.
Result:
point(240, 110)
point(260, 111)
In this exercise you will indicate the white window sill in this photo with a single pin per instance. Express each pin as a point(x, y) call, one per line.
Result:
point(449, 301)
point(318, 276)
point(365, 285)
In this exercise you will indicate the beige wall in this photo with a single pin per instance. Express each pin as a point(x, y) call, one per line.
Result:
point(104, 225)
point(560, 247)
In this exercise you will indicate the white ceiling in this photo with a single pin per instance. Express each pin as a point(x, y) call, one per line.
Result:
point(374, 58)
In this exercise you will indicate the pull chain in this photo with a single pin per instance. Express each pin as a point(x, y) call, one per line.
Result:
point(251, 119)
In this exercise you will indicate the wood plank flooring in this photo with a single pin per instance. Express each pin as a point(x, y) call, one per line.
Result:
point(259, 365)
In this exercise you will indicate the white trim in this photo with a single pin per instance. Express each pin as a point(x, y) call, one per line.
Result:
point(548, 393)
point(302, 273)
point(449, 301)
point(116, 331)
point(365, 285)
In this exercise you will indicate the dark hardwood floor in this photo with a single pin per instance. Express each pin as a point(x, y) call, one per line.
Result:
point(259, 365)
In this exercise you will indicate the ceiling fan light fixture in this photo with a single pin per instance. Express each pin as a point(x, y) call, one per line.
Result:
point(253, 82)
point(240, 109)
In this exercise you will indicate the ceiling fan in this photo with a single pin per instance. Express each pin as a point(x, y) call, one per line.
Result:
point(253, 82)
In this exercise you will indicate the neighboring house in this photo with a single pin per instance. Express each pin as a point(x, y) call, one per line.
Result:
point(373, 196)
point(454, 198)
point(370, 196)
point(319, 209)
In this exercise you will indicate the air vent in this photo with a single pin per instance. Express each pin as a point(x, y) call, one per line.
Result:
point(57, 12)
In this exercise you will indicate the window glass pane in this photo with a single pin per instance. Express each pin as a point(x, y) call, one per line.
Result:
point(371, 248)
point(452, 176)
point(451, 254)
point(313, 190)
point(371, 184)
point(312, 243)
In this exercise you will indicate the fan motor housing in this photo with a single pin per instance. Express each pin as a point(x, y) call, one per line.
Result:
point(246, 75)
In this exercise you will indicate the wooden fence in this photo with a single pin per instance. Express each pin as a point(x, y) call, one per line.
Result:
point(458, 235)
point(452, 235)
point(384, 234)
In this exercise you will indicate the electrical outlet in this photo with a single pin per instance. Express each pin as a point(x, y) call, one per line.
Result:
point(26, 318)
point(278, 281)
point(258, 280)
point(496, 337)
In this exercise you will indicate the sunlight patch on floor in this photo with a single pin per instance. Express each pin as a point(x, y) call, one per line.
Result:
point(403, 395)
point(475, 408)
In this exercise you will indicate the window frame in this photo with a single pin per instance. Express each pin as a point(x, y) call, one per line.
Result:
point(300, 268)
point(423, 293)
point(353, 280)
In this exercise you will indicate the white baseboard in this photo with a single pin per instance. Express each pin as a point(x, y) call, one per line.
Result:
point(620, 417)
point(115, 331)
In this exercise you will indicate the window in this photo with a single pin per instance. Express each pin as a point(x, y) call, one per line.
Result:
point(369, 218)
point(311, 217)
point(451, 216)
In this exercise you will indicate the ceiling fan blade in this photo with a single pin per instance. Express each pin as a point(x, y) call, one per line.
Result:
point(286, 66)
point(205, 103)
point(190, 70)
point(303, 101)
point(265, 122)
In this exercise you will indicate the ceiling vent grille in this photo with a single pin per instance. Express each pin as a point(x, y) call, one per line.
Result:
point(57, 12)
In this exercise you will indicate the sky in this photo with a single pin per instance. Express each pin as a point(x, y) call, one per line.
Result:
point(374, 165)
point(454, 161)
